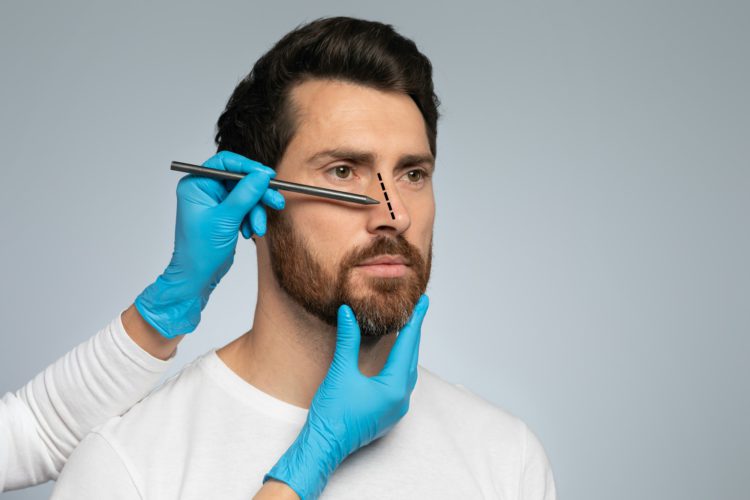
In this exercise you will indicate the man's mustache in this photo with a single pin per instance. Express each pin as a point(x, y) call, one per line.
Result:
point(383, 245)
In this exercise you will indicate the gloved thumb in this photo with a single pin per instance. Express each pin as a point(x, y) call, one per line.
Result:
point(347, 340)
point(245, 195)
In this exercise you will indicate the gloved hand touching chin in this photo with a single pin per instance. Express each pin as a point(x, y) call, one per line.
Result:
point(350, 410)
point(210, 214)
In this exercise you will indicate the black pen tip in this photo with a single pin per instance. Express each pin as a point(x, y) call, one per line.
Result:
point(370, 201)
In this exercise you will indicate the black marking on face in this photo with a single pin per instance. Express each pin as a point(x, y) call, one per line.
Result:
point(382, 186)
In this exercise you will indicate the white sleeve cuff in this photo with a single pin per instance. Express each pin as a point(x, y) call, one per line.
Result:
point(135, 352)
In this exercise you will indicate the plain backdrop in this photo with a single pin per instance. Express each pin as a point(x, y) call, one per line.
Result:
point(593, 188)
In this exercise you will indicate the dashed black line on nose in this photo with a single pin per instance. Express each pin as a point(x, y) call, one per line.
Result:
point(385, 193)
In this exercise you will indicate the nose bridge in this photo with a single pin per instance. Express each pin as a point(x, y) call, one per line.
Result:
point(391, 214)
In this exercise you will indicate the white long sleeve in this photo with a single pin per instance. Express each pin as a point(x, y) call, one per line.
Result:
point(43, 422)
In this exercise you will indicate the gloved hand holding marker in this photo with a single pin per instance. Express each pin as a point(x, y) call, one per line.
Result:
point(209, 218)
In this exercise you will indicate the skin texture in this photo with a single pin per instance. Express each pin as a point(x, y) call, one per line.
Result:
point(288, 351)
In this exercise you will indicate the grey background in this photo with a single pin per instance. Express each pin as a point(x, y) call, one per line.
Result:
point(591, 243)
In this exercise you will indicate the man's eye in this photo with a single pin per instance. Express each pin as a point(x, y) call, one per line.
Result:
point(415, 175)
point(342, 171)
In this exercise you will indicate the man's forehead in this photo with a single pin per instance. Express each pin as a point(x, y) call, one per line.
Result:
point(338, 120)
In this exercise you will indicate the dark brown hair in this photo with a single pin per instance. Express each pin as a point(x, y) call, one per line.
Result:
point(258, 122)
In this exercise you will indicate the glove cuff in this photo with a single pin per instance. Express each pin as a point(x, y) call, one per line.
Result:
point(171, 309)
point(306, 465)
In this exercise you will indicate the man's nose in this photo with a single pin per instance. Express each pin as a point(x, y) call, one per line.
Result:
point(391, 216)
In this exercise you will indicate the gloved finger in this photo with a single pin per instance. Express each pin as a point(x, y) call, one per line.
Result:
point(347, 340)
point(245, 228)
point(258, 220)
point(199, 190)
point(232, 162)
point(273, 199)
point(245, 195)
point(407, 342)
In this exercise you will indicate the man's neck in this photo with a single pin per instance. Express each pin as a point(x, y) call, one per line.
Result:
point(288, 351)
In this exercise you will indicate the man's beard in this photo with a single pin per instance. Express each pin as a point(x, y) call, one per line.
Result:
point(383, 305)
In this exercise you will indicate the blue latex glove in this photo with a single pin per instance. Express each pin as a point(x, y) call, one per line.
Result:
point(350, 410)
point(210, 213)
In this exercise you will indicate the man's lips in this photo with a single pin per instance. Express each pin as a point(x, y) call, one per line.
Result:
point(385, 266)
point(384, 260)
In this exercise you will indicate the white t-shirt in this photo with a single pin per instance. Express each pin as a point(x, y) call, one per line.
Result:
point(206, 433)
point(41, 423)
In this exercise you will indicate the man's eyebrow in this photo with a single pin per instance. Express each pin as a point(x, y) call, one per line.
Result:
point(343, 154)
point(411, 160)
point(367, 158)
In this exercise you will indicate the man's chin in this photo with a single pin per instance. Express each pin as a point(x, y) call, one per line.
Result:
point(375, 288)
point(383, 305)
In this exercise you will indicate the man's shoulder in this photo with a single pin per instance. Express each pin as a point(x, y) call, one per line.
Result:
point(435, 387)
point(488, 434)
point(456, 403)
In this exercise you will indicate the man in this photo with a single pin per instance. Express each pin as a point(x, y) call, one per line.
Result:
point(344, 104)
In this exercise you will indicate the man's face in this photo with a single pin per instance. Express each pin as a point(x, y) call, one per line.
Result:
point(375, 258)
